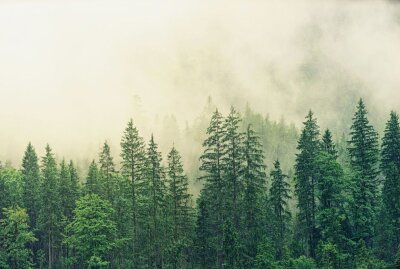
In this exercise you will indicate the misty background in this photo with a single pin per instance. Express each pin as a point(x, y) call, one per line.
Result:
point(72, 73)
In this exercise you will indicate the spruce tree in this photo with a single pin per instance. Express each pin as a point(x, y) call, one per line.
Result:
point(93, 184)
point(279, 198)
point(180, 209)
point(31, 178)
point(390, 167)
point(107, 170)
point(254, 192)
point(156, 192)
point(50, 214)
point(363, 151)
point(306, 180)
point(233, 160)
point(133, 157)
point(214, 193)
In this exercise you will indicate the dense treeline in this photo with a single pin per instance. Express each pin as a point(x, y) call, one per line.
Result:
point(346, 211)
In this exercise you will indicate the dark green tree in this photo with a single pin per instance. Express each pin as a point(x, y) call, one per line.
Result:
point(93, 181)
point(279, 198)
point(156, 204)
point(133, 158)
point(31, 178)
point(50, 214)
point(180, 209)
point(214, 193)
point(364, 152)
point(390, 167)
point(306, 181)
point(107, 170)
point(254, 192)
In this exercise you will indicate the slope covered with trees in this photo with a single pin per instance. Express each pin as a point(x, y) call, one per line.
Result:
point(268, 198)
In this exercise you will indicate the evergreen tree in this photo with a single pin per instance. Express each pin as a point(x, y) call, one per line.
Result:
point(31, 178)
point(133, 157)
point(306, 181)
point(107, 170)
point(156, 193)
point(180, 209)
point(233, 160)
point(93, 185)
point(254, 179)
point(214, 192)
point(279, 197)
point(15, 238)
point(363, 150)
point(390, 167)
point(50, 214)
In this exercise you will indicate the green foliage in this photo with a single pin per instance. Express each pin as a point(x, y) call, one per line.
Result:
point(363, 150)
point(15, 238)
point(306, 169)
point(92, 233)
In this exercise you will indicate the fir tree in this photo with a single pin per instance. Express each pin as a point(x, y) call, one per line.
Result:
point(92, 185)
point(107, 170)
point(133, 157)
point(306, 180)
point(390, 167)
point(363, 150)
point(215, 189)
point(50, 215)
point(180, 208)
point(254, 193)
point(31, 178)
point(279, 197)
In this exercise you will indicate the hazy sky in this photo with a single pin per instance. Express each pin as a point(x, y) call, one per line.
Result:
point(70, 70)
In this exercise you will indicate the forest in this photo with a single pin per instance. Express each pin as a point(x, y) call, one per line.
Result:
point(333, 203)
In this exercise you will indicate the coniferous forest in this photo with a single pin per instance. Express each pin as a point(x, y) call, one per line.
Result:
point(334, 204)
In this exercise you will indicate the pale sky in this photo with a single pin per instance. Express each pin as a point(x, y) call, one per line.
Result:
point(69, 70)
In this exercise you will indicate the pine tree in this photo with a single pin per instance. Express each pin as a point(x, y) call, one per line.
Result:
point(214, 187)
point(279, 197)
point(93, 185)
point(107, 170)
point(306, 180)
point(363, 150)
point(133, 157)
point(390, 167)
point(233, 160)
point(31, 178)
point(50, 214)
point(156, 203)
point(15, 238)
point(180, 209)
point(254, 193)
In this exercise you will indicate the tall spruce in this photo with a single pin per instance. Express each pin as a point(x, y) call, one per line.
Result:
point(279, 198)
point(133, 157)
point(180, 208)
point(107, 170)
point(214, 193)
point(306, 180)
point(390, 167)
point(50, 215)
point(93, 184)
point(156, 192)
point(31, 178)
point(364, 152)
point(254, 193)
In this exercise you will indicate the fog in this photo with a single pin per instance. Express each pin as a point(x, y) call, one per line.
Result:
point(72, 73)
